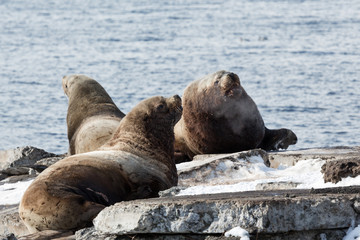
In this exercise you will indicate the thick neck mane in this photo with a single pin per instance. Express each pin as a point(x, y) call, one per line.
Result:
point(153, 143)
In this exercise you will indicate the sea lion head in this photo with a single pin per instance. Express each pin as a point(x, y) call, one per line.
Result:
point(228, 83)
point(68, 82)
point(222, 84)
point(156, 112)
point(151, 122)
point(218, 117)
point(148, 132)
point(213, 92)
point(161, 109)
point(78, 85)
point(76, 82)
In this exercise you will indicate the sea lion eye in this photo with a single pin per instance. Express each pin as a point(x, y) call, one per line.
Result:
point(216, 82)
point(160, 107)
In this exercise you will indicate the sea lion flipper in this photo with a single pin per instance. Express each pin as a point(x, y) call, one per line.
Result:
point(275, 139)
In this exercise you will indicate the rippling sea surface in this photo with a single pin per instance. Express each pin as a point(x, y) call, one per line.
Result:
point(298, 60)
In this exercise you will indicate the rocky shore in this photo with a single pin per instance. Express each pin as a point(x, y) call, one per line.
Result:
point(274, 195)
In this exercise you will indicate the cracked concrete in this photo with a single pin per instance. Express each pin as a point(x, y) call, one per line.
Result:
point(268, 212)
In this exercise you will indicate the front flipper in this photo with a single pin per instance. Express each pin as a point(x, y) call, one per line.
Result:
point(275, 139)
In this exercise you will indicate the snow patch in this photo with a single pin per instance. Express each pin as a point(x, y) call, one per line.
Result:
point(306, 173)
point(353, 233)
point(11, 193)
point(238, 232)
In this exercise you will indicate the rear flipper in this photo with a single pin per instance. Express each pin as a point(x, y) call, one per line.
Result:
point(275, 139)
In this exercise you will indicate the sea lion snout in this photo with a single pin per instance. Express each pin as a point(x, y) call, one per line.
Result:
point(174, 103)
point(175, 100)
point(230, 84)
point(234, 77)
point(65, 85)
point(67, 81)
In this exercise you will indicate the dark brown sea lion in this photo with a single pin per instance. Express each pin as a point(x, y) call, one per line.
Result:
point(137, 162)
point(219, 117)
point(92, 115)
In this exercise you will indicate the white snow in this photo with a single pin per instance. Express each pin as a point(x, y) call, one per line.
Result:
point(353, 233)
point(306, 173)
point(11, 193)
point(238, 232)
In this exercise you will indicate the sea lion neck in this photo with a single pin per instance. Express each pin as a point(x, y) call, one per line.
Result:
point(148, 131)
point(144, 137)
point(150, 140)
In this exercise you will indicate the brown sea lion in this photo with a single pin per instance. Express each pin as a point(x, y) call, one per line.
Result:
point(137, 162)
point(219, 117)
point(92, 115)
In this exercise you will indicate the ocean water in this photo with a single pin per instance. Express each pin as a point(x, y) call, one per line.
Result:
point(298, 60)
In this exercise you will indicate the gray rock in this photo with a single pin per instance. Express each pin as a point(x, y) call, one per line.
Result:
point(357, 206)
point(3, 176)
point(10, 236)
point(269, 212)
point(92, 234)
point(276, 185)
point(336, 170)
point(85, 233)
point(290, 158)
point(10, 222)
point(240, 155)
point(49, 234)
point(46, 162)
point(171, 191)
point(13, 161)
point(333, 234)
point(17, 178)
point(16, 170)
point(218, 169)
point(303, 235)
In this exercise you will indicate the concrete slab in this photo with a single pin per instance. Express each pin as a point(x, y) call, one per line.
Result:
point(290, 158)
point(259, 212)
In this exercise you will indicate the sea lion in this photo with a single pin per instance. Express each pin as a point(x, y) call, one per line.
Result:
point(92, 115)
point(137, 162)
point(220, 117)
